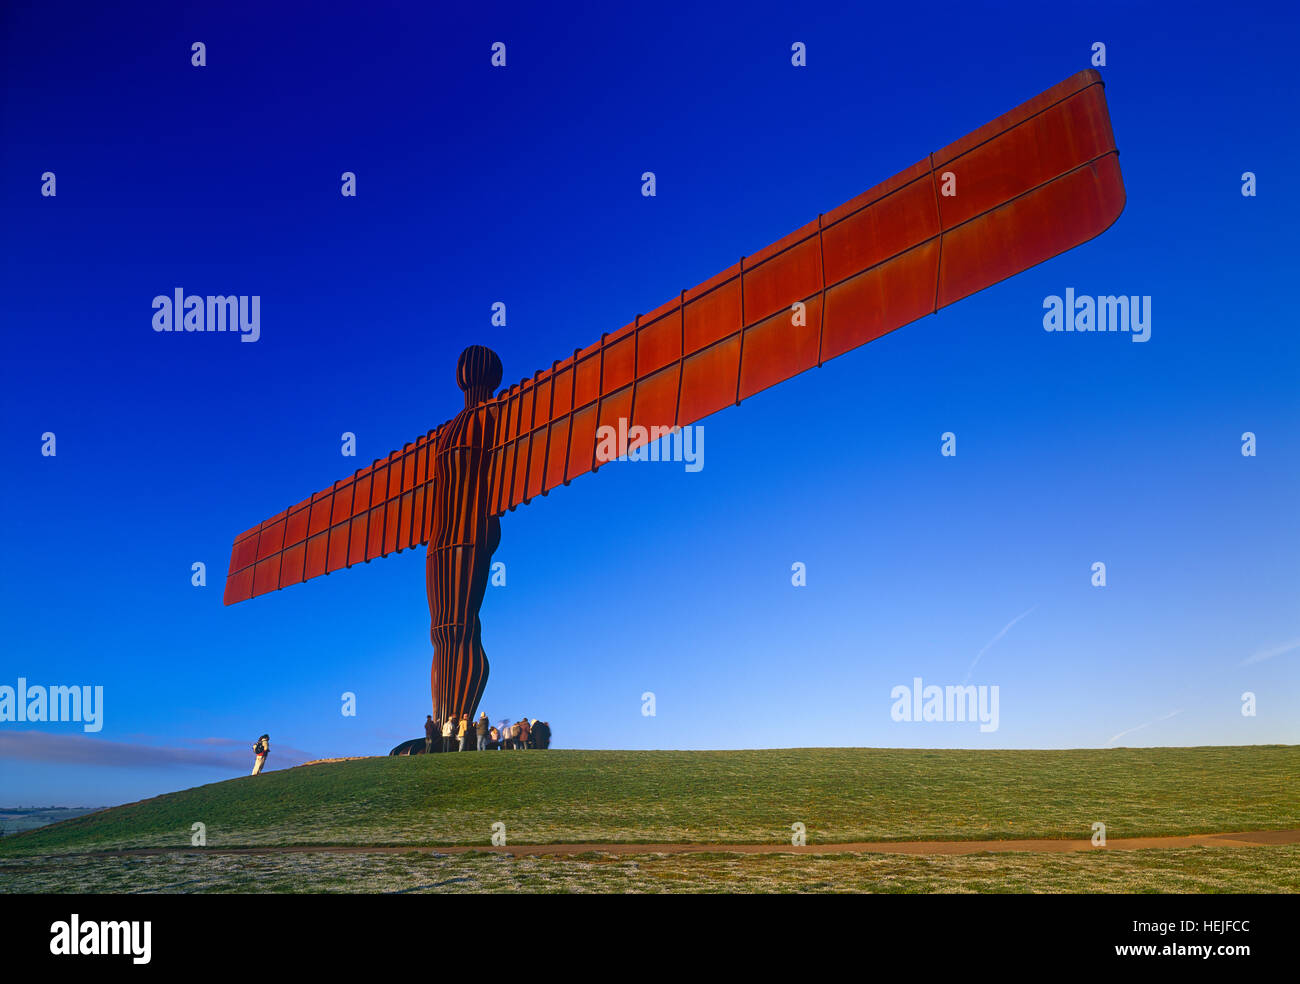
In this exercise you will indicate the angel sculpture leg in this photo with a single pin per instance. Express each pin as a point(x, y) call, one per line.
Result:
point(463, 537)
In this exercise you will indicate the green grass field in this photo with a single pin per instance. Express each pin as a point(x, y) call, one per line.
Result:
point(1208, 870)
point(735, 797)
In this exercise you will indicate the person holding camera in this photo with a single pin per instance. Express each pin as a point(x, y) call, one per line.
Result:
point(262, 749)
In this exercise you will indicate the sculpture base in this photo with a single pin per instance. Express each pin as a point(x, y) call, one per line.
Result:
point(416, 746)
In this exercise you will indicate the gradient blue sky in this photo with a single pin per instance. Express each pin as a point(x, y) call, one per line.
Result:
point(523, 185)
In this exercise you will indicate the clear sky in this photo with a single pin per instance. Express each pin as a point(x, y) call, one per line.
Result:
point(523, 185)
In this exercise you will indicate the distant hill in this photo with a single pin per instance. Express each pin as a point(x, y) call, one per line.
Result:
point(17, 819)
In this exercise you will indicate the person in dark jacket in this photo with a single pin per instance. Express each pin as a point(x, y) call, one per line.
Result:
point(430, 728)
point(481, 731)
point(262, 749)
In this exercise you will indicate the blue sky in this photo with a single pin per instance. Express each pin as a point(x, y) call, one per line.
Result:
point(522, 185)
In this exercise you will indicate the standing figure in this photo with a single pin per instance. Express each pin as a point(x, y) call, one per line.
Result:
point(463, 537)
point(446, 735)
point(262, 749)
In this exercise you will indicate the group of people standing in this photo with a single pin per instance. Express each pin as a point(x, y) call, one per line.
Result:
point(487, 737)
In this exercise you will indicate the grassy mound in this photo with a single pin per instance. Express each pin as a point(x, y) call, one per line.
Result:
point(840, 795)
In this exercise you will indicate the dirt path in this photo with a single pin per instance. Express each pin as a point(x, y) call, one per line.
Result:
point(1249, 838)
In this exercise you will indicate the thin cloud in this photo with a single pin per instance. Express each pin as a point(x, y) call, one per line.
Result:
point(989, 645)
point(40, 746)
point(1264, 654)
point(1145, 725)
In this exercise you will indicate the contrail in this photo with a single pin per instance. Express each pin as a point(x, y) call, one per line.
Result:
point(1141, 726)
point(1264, 654)
point(993, 640)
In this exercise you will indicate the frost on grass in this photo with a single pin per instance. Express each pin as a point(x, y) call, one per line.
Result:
point(1183, 870)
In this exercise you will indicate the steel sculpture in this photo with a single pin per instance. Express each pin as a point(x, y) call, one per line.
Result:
point(1029, 185)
